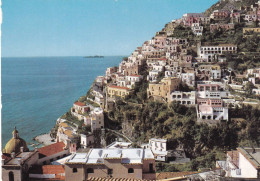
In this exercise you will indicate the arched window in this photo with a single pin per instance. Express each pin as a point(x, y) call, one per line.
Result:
point(130, 170)
point(11, 176)
point(75, 170)
point(90, 170)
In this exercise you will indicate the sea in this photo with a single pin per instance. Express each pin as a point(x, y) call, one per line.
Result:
point(38, 90)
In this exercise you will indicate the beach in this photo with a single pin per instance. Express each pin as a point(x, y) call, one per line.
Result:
point(45, 139)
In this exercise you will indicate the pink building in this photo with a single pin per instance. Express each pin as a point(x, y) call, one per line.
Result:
point(209, 103)
point(190, 18)
point(224, 27)
point(211, 110)
point(219, 14)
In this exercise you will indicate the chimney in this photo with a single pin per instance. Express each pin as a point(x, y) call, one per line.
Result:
point(21, 149)
point(13, 155)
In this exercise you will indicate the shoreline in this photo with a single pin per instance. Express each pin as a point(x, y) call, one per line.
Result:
point(43, 139)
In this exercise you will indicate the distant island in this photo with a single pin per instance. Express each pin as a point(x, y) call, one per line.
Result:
point(96, 56)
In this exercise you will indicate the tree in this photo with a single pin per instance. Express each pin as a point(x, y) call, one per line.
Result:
point(249, 87)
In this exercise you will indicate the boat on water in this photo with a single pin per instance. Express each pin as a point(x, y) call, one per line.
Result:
point(96, 56)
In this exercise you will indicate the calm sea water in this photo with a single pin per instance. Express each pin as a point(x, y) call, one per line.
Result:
point(36, 91)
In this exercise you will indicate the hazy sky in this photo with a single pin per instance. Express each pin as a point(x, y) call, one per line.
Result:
point(86, 27)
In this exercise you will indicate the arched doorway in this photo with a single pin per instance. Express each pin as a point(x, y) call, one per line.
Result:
point(11, 176)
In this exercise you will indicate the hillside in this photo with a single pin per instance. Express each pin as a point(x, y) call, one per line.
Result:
point(195, 84)
point(229, 5)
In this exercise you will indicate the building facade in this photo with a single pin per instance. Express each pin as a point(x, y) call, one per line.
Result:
point(114, 163)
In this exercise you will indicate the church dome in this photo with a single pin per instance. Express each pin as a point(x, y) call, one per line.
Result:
point(14, 144)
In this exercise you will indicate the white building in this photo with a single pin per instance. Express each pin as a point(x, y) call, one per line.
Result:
point(242, 163)
point(131, 80)
point(97, 119)
point(185, 98)
point(152, 77)
point(211, 110)
point(197, 29)
point(256, 91)
point(86, 141)
point(188, 78)
point(118, 144)
point(170, 73)
point(210, 52)
point(213, 94)
point(159, 148)
point(211, 90)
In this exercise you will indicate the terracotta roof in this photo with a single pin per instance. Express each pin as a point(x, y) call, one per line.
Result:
point(6, 156)
point(135, 75)
point(58, 170)
point(112, 179)
point(234, 155)
point(51, 149)
point(79, 103)
point(166, 175)
point(163, 59)
point(118, 87)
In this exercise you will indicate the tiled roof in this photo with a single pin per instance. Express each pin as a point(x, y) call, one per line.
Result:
point(79, 103)
point(234, 155)
point(51, 149)
point(112, 179)
point(163, 58)
point(135, 75)
point(167, 175)
point(58, 170)
point(6, 156)
point(118, 87)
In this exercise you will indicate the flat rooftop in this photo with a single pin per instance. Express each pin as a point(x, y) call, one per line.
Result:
point(97, 156)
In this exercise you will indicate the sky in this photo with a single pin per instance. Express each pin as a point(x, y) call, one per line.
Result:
point(32, 28)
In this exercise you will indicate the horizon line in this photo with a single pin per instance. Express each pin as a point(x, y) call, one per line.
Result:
point(62, 56)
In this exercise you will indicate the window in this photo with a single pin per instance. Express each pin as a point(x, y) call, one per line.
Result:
point(90, 170)
point(130, 170)
point(44, 163)
point(151, 168)
point(11, 176)
point(75, 170)
point(51, 160)
point(109, 171)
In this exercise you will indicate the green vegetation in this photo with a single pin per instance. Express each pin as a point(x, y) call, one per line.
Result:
point(183, 32)
point(72, 119)
point(178, 124)
point(92, 103)
point(206, 161)
point(222, 5)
